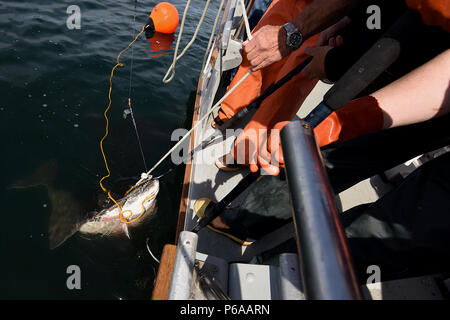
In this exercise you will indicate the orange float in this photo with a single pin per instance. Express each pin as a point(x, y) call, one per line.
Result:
point(164, 18)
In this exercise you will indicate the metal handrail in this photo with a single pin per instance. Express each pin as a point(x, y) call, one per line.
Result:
point(324, 258)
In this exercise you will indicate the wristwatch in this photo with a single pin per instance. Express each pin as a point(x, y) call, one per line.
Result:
point(294, 38)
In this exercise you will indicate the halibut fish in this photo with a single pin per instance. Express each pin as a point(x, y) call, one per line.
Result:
point(69, 211)
point(141, 201)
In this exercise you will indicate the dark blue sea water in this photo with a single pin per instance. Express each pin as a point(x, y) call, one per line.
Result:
point(53, 92)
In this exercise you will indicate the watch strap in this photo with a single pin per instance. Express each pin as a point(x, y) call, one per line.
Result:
point(289, 27)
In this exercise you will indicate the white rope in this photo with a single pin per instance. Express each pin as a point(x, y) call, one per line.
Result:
point(216, 106)
point(172, 66)
point(247, 25)
point(171, 70)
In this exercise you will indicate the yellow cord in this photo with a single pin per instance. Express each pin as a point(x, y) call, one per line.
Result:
point(125, 219)
point(122, 218)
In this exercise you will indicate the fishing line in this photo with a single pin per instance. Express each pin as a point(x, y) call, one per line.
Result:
point(129, 92)
point(214, 108)
point(132, 50)
point(122, 218)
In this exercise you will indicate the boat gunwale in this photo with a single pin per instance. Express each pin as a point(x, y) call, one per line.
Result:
point(213, 55)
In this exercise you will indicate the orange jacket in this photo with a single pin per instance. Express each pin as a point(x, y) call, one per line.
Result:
point(433, 12)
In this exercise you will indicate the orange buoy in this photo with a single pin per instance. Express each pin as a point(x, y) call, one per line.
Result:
point(165, 17)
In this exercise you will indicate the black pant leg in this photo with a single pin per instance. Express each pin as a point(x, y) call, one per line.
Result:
point(407, 231)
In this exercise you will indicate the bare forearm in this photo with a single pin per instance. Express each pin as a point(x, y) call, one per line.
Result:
point(419, 96)
point(321, 14)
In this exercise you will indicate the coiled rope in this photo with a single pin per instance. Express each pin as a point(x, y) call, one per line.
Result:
point(171, 70)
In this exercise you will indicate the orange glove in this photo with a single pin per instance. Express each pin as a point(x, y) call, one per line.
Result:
point(356, 118)
point(275, 148)
point(252, 147)
point(261, 148)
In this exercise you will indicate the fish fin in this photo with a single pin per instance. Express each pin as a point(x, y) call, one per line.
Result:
point(125, 230)
point(66, 217)
point(56, 241)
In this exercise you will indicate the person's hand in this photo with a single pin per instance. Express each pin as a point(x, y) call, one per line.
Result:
point(250, 148)
point(331, 32)
point(325, 36)
point(267, 46)
point(274, 144)
point(260, 148)
point(316, 68)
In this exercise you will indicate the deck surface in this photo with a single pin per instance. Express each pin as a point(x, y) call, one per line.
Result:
point(208, 182)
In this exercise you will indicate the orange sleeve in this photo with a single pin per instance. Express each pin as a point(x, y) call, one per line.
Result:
point(433, 12)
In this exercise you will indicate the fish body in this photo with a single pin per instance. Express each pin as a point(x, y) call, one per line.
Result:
point(140, 204)
point(68, 211)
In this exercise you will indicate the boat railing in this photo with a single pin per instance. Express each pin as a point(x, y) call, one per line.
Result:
point(325, 262)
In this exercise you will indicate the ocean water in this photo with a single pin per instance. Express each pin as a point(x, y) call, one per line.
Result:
point(53, 85)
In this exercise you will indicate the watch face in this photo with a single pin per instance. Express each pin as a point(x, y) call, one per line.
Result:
point(295, 40)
